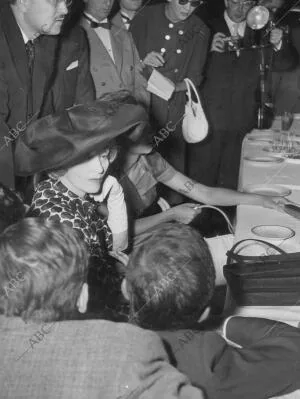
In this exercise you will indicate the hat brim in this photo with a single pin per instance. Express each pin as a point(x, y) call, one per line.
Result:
point(62, 141)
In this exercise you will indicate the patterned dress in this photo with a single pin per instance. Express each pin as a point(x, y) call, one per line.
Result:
point(52, 200)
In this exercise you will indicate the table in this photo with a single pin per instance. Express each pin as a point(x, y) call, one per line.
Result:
point(288, 175)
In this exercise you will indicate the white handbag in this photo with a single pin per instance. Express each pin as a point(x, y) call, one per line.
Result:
point(194, 124)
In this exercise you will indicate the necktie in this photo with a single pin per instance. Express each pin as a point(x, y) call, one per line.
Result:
point(235, 29)
point(29, 46)
point(30, 51)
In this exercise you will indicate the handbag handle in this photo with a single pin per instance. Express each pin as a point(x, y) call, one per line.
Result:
point(231, 255)
point(230, 227)
point(189, 85)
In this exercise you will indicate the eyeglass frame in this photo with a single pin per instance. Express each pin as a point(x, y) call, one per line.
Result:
point(55, 3)
point(243, 3)
point(191, 2)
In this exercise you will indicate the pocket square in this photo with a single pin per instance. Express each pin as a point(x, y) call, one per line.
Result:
point(73, 65)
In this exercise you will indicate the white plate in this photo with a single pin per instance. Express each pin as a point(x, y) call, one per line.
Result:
point(273, 232)
point(268, 189)
point(259, 140)
point(255, 248)
point(293, 160)
point(268, 160)
point(274, 153)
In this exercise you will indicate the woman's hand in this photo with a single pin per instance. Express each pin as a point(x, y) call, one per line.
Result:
point(154, 59)
point(120, 256)
point(276, 203)
point(185, 213)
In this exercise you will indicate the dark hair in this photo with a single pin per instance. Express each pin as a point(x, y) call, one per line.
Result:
point(170, 278)
point(43, 266)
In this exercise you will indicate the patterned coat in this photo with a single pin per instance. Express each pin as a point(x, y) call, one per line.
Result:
point(52, 200)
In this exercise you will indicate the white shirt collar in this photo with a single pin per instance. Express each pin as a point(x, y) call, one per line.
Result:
point(25, 37)
point(94, 19)
point(235, 27)
point(124, 13)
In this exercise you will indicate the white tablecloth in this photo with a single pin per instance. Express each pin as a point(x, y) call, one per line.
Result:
point(287, 174)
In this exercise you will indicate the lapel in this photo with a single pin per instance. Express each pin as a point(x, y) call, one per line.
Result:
point(98, 49)
point(248, 37)
point(117, 43)
point(220, 25)
point(16, 43)
point(45, 69)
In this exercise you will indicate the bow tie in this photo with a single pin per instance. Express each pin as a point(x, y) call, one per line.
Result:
point(95, 25)
point(104, 25)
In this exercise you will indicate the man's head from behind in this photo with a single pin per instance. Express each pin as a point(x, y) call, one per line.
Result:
point(237, 10)
point(43, 268)
point(170, 279)
point(40, 17)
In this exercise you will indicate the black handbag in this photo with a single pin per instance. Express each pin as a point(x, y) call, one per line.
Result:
point(272, 280)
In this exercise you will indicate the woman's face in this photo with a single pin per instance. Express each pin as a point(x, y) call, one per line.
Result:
point(87, 177)
point(180, 12)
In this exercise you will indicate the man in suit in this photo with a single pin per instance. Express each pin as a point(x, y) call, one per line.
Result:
point(231, 92)
point(43, 268)
point(169, 282)
point(40, 72)
point(127, 10)
point(115, 63)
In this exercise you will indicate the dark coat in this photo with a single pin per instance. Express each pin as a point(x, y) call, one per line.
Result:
point(60, 78)
point(267, 365)
point(231, 86)
point(186, 44)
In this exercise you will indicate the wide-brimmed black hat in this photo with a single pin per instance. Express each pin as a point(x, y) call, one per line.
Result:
point(63, 140)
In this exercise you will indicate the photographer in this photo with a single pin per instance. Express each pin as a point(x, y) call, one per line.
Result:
point(230, 91)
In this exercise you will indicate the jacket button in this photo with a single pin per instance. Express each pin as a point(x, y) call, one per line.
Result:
point(103, 83)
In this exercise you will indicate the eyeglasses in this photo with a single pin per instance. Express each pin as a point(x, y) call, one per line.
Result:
point(193, 3)
point(56, 3)
point(246, 3)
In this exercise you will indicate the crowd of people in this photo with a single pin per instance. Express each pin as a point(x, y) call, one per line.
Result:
point(105, 288)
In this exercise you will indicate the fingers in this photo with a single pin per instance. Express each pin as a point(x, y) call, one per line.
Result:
point(276, 36)
point(191, 205)
point(218, 42)
point(120, 256)
point(154, 59)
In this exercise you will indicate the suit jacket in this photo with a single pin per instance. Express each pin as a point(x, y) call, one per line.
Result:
point(86, 359)
point(54, 86)
point(266, 364)
point(125, 72)
point(231, 87)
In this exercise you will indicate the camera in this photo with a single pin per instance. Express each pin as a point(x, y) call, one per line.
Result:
point(232, 43)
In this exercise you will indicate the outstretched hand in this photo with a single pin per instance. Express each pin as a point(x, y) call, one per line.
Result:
point(185, 213)
point(276, 203)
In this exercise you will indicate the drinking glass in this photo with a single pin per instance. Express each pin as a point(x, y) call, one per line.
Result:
point(286, 120)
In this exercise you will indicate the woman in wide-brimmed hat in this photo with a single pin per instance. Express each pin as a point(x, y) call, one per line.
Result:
point(77, 147)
